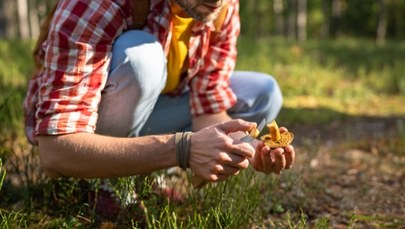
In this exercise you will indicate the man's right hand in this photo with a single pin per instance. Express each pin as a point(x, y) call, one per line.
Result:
point(214, 155)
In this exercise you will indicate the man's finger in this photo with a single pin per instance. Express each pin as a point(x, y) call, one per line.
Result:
point(267, 162)
point(243, 149)
point(283, 129)
point(235, 125)
point(230, 170)
point(233, 160)
point(280, 161)
point(289, 156)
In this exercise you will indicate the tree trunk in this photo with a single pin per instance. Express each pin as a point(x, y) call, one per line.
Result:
point(9, 24)
point(23, 19)
point(291, 29)
point(2, 20)
point(302, 20)
point(337, 10)
point(382, 23)
point(256, 25)
point(278, 17)
point(249, 18)
point(325, 33)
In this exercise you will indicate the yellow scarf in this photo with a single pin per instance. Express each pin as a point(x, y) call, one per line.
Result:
point(177, 59)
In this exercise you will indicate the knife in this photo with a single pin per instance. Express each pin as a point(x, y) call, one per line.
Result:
point(249, 138)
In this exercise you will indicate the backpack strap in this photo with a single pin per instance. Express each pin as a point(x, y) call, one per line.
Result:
point(140, 12)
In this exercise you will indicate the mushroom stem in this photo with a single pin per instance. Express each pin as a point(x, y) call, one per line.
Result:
point(274, 131)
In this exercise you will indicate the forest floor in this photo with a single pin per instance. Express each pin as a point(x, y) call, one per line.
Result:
point(350, 167)
point(351, 172)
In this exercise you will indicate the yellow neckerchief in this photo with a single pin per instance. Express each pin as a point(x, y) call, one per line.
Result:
point(177, 61)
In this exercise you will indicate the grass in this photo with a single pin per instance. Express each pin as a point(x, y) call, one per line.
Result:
point(322, 81)
point(347, 76)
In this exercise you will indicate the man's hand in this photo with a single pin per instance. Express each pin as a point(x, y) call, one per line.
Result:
point(214, 155)
point(273, 160)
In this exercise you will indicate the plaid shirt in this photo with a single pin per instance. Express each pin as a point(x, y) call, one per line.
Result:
point(64, 97)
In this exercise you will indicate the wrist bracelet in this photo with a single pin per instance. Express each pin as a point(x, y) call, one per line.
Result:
point(182, 144)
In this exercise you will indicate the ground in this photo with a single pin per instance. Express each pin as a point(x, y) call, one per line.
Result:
point(350, 167)
point(349, 172)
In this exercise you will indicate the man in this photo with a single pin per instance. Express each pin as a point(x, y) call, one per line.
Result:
point(109, 99)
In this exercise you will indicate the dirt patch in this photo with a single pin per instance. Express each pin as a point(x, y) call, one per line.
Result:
point(351, 168)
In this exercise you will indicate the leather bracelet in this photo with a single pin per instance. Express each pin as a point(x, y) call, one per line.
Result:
point(182, 144)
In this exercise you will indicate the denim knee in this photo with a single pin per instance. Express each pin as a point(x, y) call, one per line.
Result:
point(146, 59)
point(259, 96)
point(137, 76)
point(271, 92)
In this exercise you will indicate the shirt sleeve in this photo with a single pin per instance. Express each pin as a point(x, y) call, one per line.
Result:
point(210, 91)
point(76, 64)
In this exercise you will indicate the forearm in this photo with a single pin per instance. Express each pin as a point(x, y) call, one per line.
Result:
point(203, 121)
point(94, 156)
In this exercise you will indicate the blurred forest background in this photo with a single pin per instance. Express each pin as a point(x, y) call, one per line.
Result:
point(295, 19)
point(340, 65)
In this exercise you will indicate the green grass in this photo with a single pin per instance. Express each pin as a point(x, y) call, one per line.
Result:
point(339, 68)
point(321, 81)
point(15, 69)
point(331, 78)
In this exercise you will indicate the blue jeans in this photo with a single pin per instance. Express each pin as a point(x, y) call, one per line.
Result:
point(131, 103)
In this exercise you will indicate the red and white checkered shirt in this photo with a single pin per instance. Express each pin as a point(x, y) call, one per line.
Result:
point(64, 97)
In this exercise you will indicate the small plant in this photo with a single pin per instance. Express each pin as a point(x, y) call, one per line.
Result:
point(352, 221)
point(13, 219)
point(322, 223)
point(2, 174)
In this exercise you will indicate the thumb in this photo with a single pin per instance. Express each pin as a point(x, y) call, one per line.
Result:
point(235, 125)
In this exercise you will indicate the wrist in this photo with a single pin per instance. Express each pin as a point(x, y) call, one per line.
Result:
point(182, 143)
